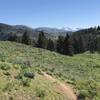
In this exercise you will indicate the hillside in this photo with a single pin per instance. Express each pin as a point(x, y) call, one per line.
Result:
point(7, 30)
point(22, 78)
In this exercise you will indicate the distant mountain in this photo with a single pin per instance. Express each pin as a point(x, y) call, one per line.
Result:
point(52, 31)
point(7, 30)
point(49, 32)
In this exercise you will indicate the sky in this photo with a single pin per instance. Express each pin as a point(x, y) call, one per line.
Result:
point(51, 13)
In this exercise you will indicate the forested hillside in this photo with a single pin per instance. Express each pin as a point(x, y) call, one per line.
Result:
point(72, 43)
point(61, 41)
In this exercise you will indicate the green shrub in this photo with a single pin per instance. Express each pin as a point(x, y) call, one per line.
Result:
point(5, 66)
point(26, 82)
point(81, 96)
point(19, 76)
point(52, 69)
point(25, 78)
point(2, 57)
point(11, 98)
point(29, 75)
point(38, 70)
point(9, 86)
point(28, 63)
point(40, 93)
point(6, 73)
point(25, 73)
point(85, 93)
point(16, 66)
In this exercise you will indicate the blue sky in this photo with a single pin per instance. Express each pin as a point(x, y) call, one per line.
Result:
point(51, 13)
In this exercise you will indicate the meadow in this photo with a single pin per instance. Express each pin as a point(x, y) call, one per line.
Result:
point(21, 76)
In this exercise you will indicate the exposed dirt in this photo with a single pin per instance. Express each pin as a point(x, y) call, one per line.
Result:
point(64, 88)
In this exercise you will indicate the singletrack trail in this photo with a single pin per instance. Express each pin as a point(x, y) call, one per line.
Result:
point(65, 88)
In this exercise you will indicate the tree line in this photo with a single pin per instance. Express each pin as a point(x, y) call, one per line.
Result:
point(77, 42)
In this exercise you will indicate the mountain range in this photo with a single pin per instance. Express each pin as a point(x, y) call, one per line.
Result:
point(7, 30)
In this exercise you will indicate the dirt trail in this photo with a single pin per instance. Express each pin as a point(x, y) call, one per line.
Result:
point(65, 88)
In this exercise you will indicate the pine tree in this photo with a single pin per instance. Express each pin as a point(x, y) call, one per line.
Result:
point(76, 45)
point(70, 50)
point(26, 38)
point(33, 43)
point(91, 44)
point(68, 47)
point(81, 45)
point(42, 41)
point(66, 44)
point(50, 45)
point(13, 38)
point(60, 44)
point(98, 28)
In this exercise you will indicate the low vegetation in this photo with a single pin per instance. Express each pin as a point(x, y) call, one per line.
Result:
point(21, 76)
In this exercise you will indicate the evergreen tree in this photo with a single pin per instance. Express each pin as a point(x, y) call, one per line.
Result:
point(33, 43)
point(76, 45)
point(68, 47)
point(70, 50)
point(50, 45)
point(60, 44)
point(91, 44)
point(26, 38)
point(98, 43)
point(98, 28)
point(42, 41)
point(13, 38)
point(81, 45)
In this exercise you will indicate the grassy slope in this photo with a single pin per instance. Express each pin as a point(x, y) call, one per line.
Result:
point(82, 71)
